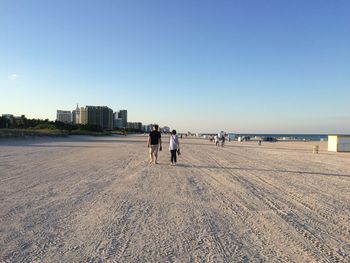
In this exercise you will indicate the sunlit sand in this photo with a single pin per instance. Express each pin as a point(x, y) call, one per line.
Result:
point(96, 199)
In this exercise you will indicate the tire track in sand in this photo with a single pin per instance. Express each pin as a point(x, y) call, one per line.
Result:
point(329, 254)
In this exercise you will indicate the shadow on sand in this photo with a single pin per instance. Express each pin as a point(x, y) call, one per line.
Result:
point(250, 146)
point(260, 170)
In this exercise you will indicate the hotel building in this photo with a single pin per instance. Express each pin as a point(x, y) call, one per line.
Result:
point(64, 116)
point(100, 116)
point(123, 114)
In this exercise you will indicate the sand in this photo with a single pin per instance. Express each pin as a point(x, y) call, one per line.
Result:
point(87, 199)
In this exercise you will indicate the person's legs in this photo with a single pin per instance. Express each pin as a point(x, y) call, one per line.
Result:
point(150, 155)
point(173, 156)
point(155, 152)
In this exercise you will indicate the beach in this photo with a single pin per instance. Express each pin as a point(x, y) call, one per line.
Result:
point(96, 199)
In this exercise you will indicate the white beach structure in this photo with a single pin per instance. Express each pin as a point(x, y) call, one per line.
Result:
point(339, 143)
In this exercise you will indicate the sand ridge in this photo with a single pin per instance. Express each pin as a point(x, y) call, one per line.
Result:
point(86, 199)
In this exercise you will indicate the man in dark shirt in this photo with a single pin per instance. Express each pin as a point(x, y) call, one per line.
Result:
point(154, 143)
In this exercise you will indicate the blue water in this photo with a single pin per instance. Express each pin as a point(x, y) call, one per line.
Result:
point(308, 137)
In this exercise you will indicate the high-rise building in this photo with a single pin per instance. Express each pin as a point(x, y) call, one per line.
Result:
point(100, 116)
point(134, 126)
point(76, 115)
point(147, 128)
point(123, 114)
point(118, 123)
point(83, 115)
point(64, 116)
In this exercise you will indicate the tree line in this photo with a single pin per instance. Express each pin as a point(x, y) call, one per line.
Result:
point(24, 123)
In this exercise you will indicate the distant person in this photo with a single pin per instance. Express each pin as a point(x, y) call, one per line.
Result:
point(216, 140)
point(221, 138)
point(174, 147)
point(154, 143)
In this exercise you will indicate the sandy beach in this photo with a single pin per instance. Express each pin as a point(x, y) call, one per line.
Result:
point(96, 199)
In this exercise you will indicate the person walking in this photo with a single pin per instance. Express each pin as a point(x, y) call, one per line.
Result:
point(174, 147)
point(221, 138)
point(216, 140)
point(154, 143)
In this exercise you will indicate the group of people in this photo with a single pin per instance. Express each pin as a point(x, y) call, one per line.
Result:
point(219, 139)
point(154, 144)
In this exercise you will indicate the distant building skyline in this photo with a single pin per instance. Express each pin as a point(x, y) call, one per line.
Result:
point(101, 116)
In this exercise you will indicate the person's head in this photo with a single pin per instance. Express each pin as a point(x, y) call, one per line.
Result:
point(173, 132)
point(155, 127)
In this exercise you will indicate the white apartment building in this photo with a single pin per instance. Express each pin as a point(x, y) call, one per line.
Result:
point(64, 116)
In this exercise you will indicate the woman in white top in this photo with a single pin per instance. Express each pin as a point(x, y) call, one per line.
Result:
point(174, 146)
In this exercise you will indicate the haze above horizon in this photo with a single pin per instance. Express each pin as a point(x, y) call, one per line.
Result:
point(200, 66)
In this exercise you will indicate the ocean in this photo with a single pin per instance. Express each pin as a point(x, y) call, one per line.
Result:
point(306, 137)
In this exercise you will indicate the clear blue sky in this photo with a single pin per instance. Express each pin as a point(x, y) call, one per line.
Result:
point(204, 66)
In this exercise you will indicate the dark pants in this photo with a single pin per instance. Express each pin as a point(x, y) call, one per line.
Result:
point(173, 156)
